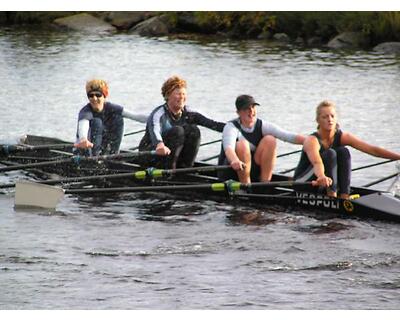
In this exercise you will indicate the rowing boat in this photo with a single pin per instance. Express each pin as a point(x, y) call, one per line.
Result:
point(126, 175)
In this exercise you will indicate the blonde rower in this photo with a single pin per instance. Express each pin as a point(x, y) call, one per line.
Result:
point(325, 159)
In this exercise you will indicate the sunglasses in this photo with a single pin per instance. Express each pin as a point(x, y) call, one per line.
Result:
point(92, 95)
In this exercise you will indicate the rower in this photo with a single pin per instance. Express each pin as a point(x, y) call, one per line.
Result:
point(249, 144)
point(326, 160)
point(172, 129)
point(101, 123)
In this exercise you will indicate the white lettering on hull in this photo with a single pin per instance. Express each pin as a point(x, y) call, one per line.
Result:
point(315, 200)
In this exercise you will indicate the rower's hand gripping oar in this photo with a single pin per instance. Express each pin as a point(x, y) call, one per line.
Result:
point(28, 193)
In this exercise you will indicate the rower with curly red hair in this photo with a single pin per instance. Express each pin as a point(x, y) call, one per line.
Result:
point(172, 128)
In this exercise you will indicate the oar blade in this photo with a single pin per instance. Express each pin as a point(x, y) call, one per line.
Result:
point(32, 194)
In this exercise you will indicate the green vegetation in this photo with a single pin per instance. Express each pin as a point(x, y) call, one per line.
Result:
point(378, 26)
point(31, 17)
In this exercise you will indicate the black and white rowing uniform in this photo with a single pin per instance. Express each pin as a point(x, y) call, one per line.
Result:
point(337, 164)
point(104, 129)
point(234, 131)
point(179, 133)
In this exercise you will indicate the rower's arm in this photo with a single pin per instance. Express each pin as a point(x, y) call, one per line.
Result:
point(137, 117)
point(357, 143)
point(269, 128)
point(82, 135)
point(198, 118)
point(83, 129)
point(229, 137)
point(311, 147)
point(233, 159)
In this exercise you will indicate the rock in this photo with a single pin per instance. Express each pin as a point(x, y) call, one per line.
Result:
point(388, 47)
point(124, 20)
point(299, 41)
point(314, 41)
point(153, 27)
point(84, 22)
point(347, 40)
point(281, 37)
point(264, 35)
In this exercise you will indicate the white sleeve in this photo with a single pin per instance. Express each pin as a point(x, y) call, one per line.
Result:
point(229, 136)
point(278, 132)
point(138, 117)
point(83, 129)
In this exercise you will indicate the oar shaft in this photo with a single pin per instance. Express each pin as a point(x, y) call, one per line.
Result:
point(33, 165)
point(76, 159)
point(355, 169)
point(288, 153)
point(380, 180)
point(219, 186)
point(134, 132)
point(278, 156)
point(6, 149)
point(170, 172)
point(372, 165)
point(210, 142)
point(210, 158)
point(139, 175)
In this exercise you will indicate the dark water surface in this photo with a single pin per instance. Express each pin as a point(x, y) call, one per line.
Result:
point(154, 251)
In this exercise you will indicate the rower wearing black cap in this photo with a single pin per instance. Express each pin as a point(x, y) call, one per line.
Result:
point(249, 144)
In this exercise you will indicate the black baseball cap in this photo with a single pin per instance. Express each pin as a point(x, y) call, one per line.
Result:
point(244, 101)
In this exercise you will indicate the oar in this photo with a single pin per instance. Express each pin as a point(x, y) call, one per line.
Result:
point(210, 142)
point(230, 186)
point(203, 144)
point(7, 149)
point(355, 169)
point(386, 178)
point(134, 132)
point(32, 194)
point(77, 160)
point(380, 180)
point(278, 156)
point(372, 165)
point(139, 175)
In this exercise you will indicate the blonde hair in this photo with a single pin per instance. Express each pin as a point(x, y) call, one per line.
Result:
point(171, 84)
point(324, 104)
point(97, 85)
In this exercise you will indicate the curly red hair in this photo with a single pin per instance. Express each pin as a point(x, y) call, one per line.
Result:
point(97, 85)
point(171, 84)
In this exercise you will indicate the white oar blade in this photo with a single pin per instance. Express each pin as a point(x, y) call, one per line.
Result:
point(32, 194)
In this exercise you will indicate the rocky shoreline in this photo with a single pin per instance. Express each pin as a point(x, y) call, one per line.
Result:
point(188, 24)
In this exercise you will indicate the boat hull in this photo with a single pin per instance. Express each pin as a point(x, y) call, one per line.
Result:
point(368, 203)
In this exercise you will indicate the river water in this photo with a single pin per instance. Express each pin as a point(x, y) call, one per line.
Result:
point(153, 251)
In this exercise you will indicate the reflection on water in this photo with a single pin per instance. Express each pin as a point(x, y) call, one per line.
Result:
point(160, 251)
